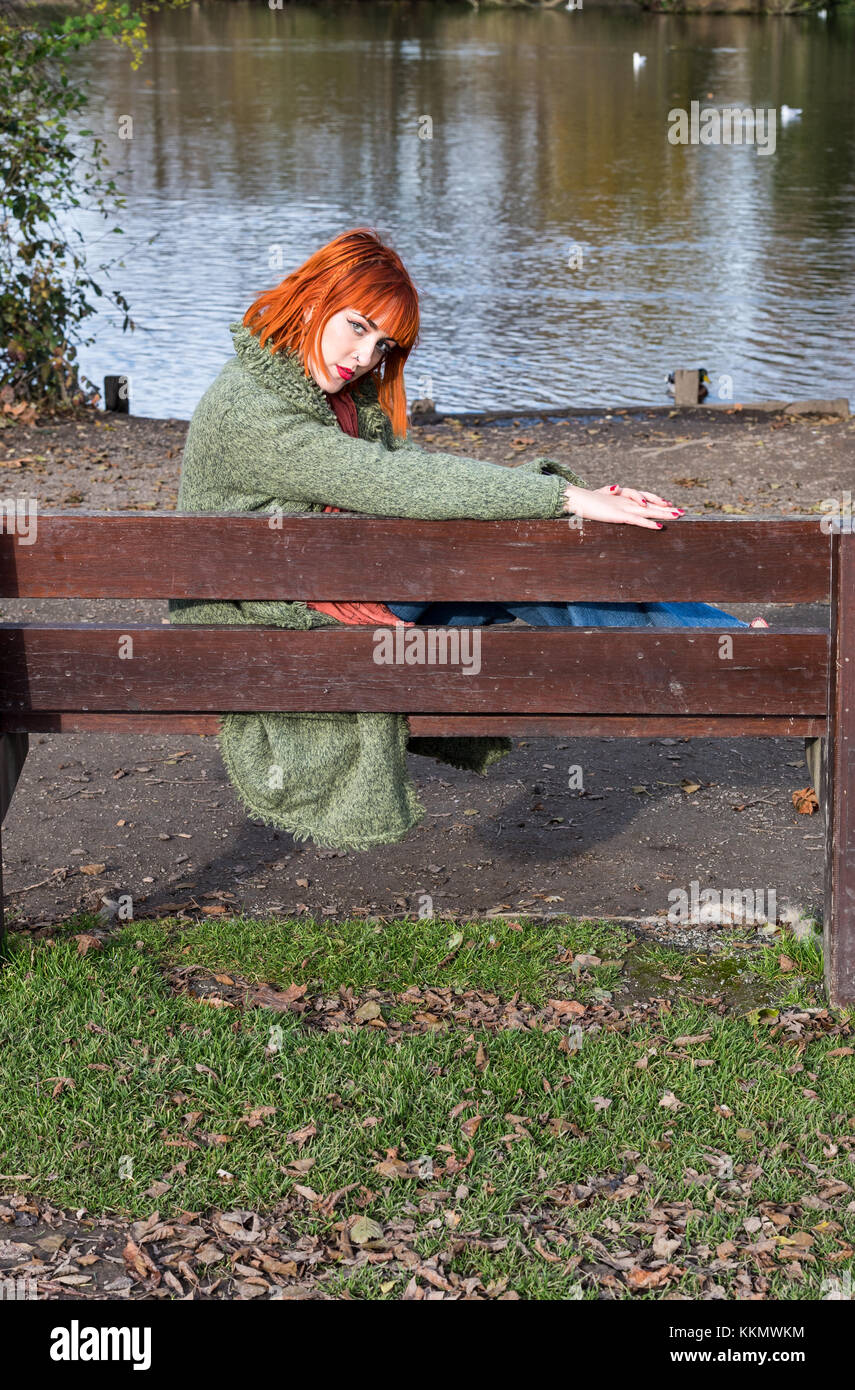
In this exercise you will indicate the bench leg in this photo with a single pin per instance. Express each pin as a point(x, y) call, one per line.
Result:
point(2, 907)
point(13, 753)
point(839, 926)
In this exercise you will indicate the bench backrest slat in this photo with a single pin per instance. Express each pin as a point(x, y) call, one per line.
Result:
point(525, 670)
point(240, 556)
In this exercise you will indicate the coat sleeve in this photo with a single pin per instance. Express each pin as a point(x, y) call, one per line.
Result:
point(302, 460)
point(541, 464)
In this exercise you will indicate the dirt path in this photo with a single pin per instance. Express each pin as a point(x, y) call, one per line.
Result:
point(160, 815)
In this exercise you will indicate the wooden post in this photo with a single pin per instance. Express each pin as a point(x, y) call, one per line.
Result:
point(13, 752)
point(687, 386)
point(839, 799)
point(116, 393)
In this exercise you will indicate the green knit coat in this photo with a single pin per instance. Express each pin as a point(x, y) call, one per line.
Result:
point(264, 436)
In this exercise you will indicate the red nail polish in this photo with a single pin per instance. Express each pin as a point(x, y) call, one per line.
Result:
point(644, 501)
point(659, 524)
point(676, 513)
point(613, 487)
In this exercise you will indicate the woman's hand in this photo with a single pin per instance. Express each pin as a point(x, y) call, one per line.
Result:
point(622, 504)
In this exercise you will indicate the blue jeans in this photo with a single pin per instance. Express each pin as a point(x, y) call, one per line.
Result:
point(566, 614)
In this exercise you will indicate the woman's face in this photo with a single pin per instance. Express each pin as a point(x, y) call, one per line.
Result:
point(351, 345)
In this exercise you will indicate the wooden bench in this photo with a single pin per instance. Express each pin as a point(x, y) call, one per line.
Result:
point(628, 682)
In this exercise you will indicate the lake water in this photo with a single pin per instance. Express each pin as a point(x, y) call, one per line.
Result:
point(565, 252)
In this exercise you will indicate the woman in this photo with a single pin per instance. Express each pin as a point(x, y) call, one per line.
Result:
point(310, 415)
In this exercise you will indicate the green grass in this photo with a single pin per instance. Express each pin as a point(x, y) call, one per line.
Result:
point(392, 955)
point(137, 1057)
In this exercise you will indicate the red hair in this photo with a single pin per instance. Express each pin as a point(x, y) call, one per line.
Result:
point(355, 269)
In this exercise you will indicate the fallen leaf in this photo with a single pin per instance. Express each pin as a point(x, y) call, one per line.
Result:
point(364, 1230)
point(256, 1116)
point(137, 1258)
point(15, 1250)
point(85, 943)
point(156, 1190)
point(670, 1102)
point(639, 1278)
point(567, 1006)
point(302, 1136)
point(281, 1000)
point(301, 1165)
point(392, 1168)
point(804, 1239)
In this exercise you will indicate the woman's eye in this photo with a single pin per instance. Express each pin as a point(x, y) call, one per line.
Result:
point(355, 324)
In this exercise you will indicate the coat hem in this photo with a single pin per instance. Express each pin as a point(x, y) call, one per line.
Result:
point(302, 832)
